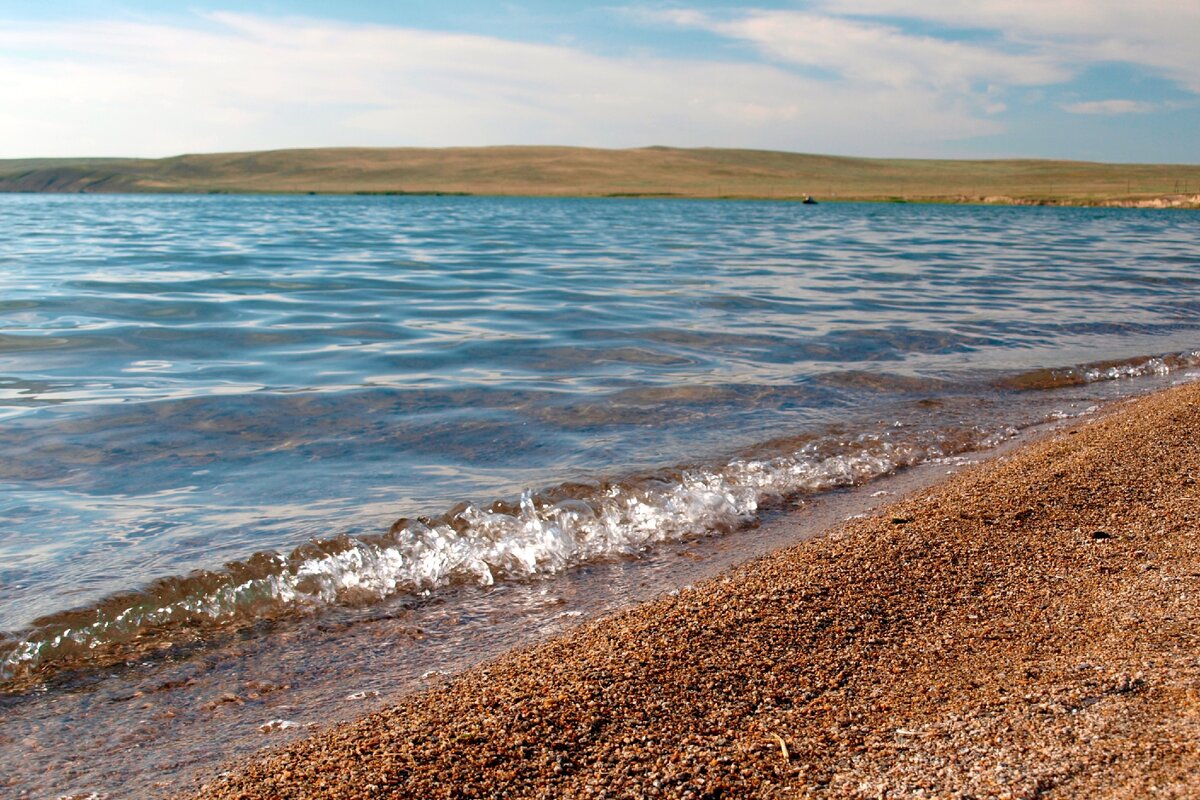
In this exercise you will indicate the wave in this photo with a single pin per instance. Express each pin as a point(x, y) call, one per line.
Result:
point(542, 533)
point(1093, 372)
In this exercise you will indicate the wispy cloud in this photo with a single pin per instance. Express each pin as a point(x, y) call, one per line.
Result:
point(861, 77)
point(1159, 35)
point(1110, 107)
point(873, 52)
point(235, 81)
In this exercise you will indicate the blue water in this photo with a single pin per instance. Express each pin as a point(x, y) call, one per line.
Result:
point(188, 381)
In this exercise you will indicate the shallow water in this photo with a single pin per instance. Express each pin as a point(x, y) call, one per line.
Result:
point(212, 409)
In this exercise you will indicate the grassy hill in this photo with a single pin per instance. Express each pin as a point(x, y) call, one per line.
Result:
point(583, 172)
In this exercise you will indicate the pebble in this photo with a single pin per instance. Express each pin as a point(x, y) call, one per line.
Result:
point(947, 655)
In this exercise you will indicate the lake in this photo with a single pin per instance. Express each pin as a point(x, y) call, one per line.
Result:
point(225, 418)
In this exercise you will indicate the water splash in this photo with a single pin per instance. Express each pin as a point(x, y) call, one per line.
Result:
point(1094, 372)
point(541, 534)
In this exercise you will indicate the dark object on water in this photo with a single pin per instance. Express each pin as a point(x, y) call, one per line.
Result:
point(808, 200)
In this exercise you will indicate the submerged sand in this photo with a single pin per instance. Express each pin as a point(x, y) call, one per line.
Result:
point(1028, 628)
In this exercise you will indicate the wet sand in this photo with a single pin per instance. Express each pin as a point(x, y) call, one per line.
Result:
point(1028, 628)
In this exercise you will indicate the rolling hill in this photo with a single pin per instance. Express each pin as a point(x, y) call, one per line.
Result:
point(641, 172)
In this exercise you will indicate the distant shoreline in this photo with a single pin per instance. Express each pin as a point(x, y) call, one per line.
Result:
point(653, 172)
point(1165, 202)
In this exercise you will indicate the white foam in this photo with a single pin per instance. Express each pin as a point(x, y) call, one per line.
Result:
point(1151, 366)
point(481, 546)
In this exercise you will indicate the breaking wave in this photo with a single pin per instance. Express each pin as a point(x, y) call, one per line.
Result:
point(1081, 374)
point(542, 533)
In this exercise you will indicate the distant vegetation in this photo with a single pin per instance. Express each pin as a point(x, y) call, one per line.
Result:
point(643, 172)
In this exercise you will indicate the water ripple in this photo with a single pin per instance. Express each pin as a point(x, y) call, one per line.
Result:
point(187, 381)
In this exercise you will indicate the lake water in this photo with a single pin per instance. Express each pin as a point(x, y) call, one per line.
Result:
point(222, 417)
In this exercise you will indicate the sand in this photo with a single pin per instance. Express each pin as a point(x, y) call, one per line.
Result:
point(1027, 628)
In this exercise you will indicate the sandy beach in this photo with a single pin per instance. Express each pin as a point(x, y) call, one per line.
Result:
point(1027, 628)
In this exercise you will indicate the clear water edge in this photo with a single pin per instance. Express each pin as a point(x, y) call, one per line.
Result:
point(539, 534)
point(183, 718)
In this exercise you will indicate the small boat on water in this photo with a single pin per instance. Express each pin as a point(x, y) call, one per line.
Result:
point(808, 200)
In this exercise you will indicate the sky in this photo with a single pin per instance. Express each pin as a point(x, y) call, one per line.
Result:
point(1103, 80)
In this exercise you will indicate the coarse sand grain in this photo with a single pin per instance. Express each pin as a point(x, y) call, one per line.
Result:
point(1027, 628)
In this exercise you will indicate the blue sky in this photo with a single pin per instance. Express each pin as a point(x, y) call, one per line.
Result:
point(1109, 80)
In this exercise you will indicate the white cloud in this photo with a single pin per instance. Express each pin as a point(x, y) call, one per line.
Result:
point(875, 53)
point(1110, 107)
point(1160, 35)
point(245, 82)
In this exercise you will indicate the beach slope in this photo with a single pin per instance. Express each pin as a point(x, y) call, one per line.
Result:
point(1028, 628)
